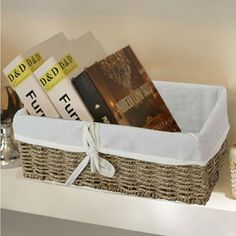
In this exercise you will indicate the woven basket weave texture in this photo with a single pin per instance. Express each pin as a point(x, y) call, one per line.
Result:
point(189, 183)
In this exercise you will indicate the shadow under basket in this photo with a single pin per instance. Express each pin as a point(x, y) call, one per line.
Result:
point(191, 184)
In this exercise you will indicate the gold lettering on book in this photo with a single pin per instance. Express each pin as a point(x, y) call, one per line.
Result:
point(117, 67)
point(105, 120)
point(133, 99)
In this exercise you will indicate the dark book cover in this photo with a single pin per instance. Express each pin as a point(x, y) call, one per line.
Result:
point(129, 93)
point(93, 99)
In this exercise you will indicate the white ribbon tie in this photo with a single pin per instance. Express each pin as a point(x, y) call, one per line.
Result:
point(97, 163)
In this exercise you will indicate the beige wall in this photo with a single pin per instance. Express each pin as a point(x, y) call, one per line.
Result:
point(181, 40)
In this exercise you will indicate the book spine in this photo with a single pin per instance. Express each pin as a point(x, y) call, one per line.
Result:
point(20, 75)
point(93, 99)
point(55, 82)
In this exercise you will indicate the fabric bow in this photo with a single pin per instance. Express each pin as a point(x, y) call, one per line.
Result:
point(97, 163)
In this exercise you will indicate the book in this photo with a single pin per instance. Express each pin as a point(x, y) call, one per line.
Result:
point(93, 99)
point(125, 91)
point(19, 73)
point(55, 75)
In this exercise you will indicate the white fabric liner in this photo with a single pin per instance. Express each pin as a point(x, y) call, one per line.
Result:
point(200, 111)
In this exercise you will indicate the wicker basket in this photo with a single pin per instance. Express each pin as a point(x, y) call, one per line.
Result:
point(190, 183)
point(233, 169)
point(174, 166)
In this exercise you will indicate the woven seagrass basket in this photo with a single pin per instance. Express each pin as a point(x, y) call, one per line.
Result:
point(232, 166)
point(191, 184)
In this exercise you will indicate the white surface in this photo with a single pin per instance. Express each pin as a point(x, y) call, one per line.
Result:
point(16, 223)
point(121, 211)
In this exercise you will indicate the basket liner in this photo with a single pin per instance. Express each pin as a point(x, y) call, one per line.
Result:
point(200, 111)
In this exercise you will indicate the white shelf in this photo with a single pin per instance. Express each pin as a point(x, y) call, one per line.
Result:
point(218, 217)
